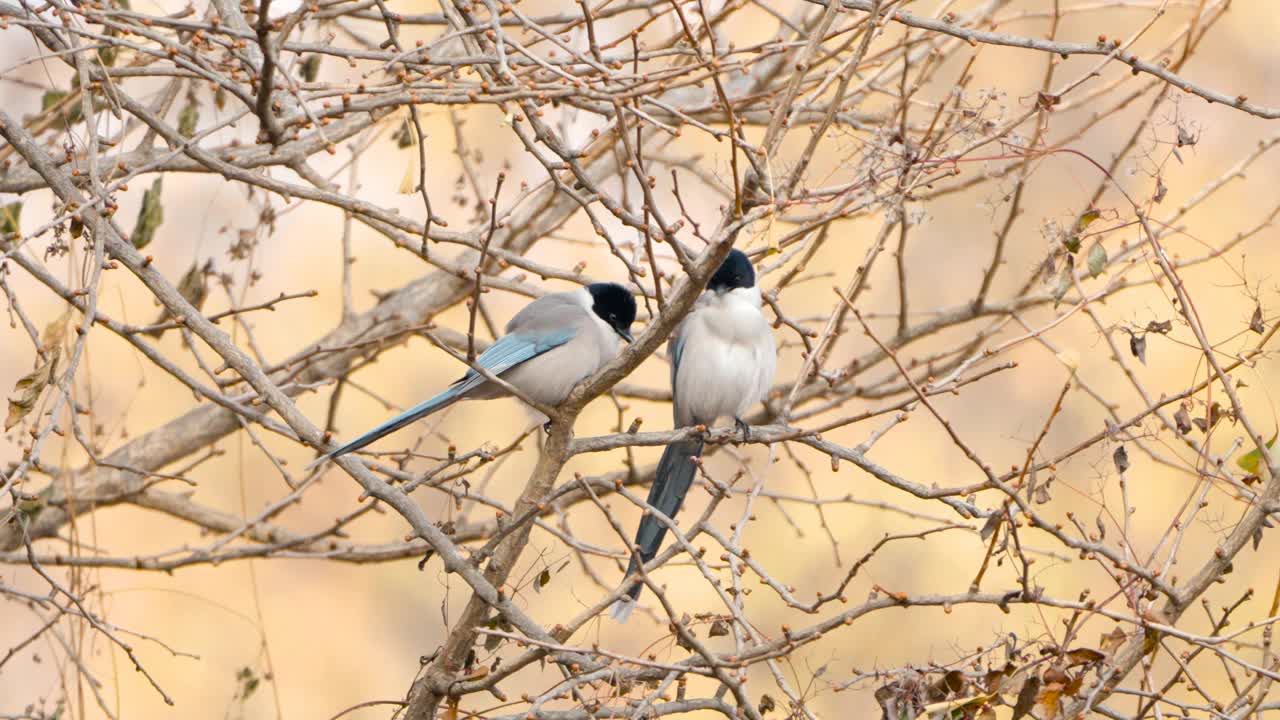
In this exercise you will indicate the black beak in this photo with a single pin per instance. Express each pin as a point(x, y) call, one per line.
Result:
point(624, 334)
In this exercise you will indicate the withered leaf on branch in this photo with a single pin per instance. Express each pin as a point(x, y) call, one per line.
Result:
point(188, 119)
point(1255, 322)
point(1215, 414)
point(29, 387)
point(1026, 697)
point(1183, 420)
point(150, 215)
point(1161, 327)
point(9, 226)
point(1121, 459)
point(1138, 346)
point(719, 628)
point(1097, 259)
point(311, 67)
point(1084, 656)
point(1112, 640)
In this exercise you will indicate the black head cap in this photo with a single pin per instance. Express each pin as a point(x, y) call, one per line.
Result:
point(615, 305)
point(734, 272)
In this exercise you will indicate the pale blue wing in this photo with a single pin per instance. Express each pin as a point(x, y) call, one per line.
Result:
point(506, 353)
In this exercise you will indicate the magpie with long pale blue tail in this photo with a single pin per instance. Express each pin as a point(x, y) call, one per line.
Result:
point(723, 357)
point(550, 346)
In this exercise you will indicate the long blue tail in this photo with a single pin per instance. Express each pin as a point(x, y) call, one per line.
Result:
point(671, 483)
point(439, 402)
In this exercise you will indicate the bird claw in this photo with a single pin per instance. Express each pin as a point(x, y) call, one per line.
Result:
point(742, 425)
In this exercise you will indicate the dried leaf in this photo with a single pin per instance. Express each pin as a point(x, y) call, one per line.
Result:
point(9, 225)
point(991, 525)
point(311, 68)
point(1162, 327)
point(150, 216)
point(1063, 284)
point(29, 387)
point(1185, 138)
point(1150, 641)
point(1183, 420)
point(1138, 346)
point(1121, 459)
point(1160, 190)
point(1112, 640)
point(188, 119)
point(766, 704)
point(405, 136)
point(1084, 656)
point(1215, 414)
point(1097, 260)
point(719, 628)
point(1250, 461)
point(1048, 699)
point(1026, 697)
point(1255, 322)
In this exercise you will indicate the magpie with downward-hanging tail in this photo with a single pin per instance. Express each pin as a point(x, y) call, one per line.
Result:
point(550, 346)
point(722, 361)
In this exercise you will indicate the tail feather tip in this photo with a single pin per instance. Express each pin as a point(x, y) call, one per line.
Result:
point(621, 610)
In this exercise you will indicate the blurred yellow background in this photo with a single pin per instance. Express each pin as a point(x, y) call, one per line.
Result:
point(340, 634)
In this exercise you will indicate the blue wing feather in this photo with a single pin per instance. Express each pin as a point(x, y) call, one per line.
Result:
point(506, 353)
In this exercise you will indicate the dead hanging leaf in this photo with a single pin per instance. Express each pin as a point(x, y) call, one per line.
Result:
point(311, 68)
point(766, 704)
point(1215, 414)
point(1185, 138)
point(1161, 327)
point(1150, 641)
point(1255, 322)
point(188, 119)
point(991, 525)
point(1084, 656)
point(150, 215)
point(1097, 260)
point(719, 628)
point(1138, 346)
point(9, 226)
point(1042, 492)
point(1121, 459)
point(193, 287)
point(1183, 420)
point(405, 136)
point(1112, 640)
point(29, 387)
point(220, 98)
point(1048, 699)
point(1161, 189)
point(1026, 697)
point(1063, 283)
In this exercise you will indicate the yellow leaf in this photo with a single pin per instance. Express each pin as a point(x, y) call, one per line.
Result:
point(1251, 461)
point(1086, 219)
point(28, 388)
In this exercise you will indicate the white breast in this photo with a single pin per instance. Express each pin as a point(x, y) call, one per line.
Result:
point(726, 360)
